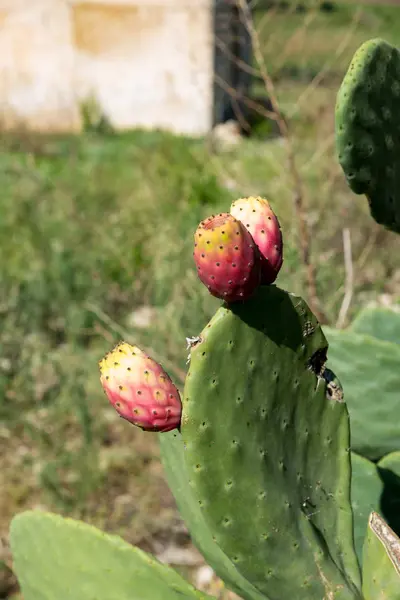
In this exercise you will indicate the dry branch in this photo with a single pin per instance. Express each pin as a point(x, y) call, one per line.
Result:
point(304, 235)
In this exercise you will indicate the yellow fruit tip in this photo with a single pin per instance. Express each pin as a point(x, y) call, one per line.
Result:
point(103, 364)
point(125, 348)
point(122, 347)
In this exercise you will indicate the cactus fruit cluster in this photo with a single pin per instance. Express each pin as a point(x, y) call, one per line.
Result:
point(236, 252)
point(280, 500)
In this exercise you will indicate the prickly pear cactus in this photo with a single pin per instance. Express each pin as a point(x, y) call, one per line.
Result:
point(369, 372)
point(368, 129)
point(260, 220)
point(173, 459)
point(267, 449)
point(366, 492)
point(140, 390)
point(227, 258)
point(381, 561)
point(57, 558)
point(334, 388)
point(389, 470)
point(380, 323)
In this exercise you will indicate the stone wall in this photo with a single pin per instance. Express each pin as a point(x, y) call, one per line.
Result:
point(148, 63)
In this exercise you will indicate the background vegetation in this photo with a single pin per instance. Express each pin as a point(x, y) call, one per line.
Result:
point(96, 245)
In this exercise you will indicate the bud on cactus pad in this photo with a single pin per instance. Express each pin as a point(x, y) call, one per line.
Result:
point(260, 220)
point(140, 390)
point(227, 258)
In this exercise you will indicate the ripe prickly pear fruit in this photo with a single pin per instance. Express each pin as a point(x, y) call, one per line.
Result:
point(227, 258)
point(140, 390)
point(259, 219)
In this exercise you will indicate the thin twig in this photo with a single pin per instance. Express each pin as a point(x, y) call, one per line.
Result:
point(236, 60)
point(318, 154)
point(304, 235)
point(328, 63)
point(107, 320)
point(266, 18)
point(254, 105)
point(274, 38)
point(368, 248)
point(349, 283)
point(268, 114)
point(359, 265)
point(298, 33)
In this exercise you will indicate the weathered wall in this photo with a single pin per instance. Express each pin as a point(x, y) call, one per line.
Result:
point(147, 62)
point(36, 64)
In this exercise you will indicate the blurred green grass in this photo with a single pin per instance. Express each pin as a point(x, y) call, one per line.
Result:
point(299, 44)
point(96, 227)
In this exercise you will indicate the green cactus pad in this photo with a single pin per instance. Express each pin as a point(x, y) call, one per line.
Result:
point(389, 470)
point(381, 562)
point(366, 491)
point(172, 453)
point(57, 558)
point(369, 372)
point(367, 124)
point(268, 452)
point(381, 323)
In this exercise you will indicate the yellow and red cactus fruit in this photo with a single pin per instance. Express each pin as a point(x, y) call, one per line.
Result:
point(227, 258)
point(259, 219)
point(139, 389)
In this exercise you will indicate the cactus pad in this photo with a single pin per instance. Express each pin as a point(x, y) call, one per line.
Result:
point(172, 453)
point(268, 452)
point(366, 491)
point(57, 558)
point(369, 372)
point(381, 323)
point(381, 561)
point(368, 129)
point(389, 470)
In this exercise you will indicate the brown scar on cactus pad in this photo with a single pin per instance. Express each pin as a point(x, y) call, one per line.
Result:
point(192, 342)
point(317, 364)
point(317, 361)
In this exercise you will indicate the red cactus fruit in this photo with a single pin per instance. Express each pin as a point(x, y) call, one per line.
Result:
point(259, 219)
point(140, 390)
point(227, 258)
